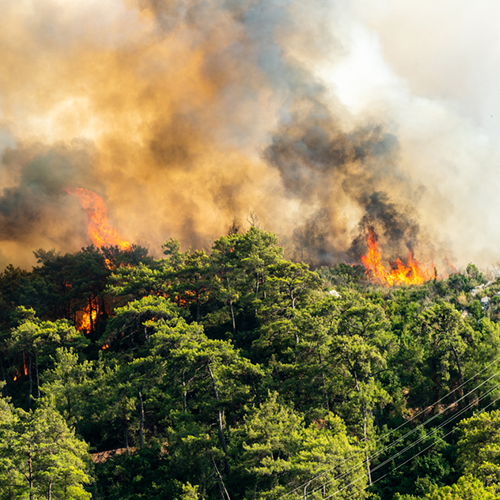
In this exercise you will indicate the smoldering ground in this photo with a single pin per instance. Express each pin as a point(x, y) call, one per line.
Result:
point(187, 116)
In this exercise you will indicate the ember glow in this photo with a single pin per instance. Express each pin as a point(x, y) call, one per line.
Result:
point(409, 274)
point(85, 319)
point(99, 229)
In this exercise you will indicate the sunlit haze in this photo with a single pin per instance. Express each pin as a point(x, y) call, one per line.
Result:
point(321, 119)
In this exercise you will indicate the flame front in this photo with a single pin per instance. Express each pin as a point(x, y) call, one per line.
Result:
point(409, 274)
point(99, 229)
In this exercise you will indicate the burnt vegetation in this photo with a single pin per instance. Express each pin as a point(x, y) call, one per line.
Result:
point(239, 374)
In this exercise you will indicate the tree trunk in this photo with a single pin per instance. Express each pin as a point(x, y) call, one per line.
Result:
point(31, 380)
point(367, 457)
point(220, 422)
point(184, 392)
point(459, 366)
point(68, 401)
point(198, 308)
point(91, 318)
point(232, 317)
point(437, 386)
point(126, 440)
point(220, 480)
point(3, 371)
point(305, 488)
point(101, 312)
point(365, 434)
point(325, 390)
point(37, 378)
point(30, 471)
point(142, 422)
point(232, 308)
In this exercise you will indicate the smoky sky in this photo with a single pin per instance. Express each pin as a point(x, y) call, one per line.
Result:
point(38, 196)
point(186, 116)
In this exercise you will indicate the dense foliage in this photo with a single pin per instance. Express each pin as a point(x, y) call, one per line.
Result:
point(239, 374)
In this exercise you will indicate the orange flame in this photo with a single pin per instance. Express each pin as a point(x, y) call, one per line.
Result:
point(451, 266)
point(85, 322)
point(24, 364)
point(99, 229)
point(409, 274)
point(85, 318)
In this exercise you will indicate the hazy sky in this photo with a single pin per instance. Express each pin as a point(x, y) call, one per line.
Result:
point(319, 117)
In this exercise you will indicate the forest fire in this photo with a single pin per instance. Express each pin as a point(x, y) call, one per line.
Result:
point(99, 229)
point(25, 368)
point(409, 274)
point(85, 319)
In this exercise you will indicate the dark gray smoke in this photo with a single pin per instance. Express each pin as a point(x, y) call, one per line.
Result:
point(319, 161)
point(186, 116)
point(39, 197)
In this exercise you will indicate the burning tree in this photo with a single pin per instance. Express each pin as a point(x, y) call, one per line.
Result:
point(99, 229)
point(409, 274)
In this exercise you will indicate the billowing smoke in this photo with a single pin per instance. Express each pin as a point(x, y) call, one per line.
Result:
point(188, 116)
point(36, 196)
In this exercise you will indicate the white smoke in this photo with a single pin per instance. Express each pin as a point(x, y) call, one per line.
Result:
point(187, 115)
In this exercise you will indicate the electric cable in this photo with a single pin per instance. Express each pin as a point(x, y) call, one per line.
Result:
point(431, 445)
point(390, 445)
point(443, 424)
point(390, 459)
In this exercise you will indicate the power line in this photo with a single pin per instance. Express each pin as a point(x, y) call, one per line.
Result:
point(431, 445)
point(434, 431)
point(390, 445)
point(421, 426)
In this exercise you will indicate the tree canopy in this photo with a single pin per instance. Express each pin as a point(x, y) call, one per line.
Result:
point(234, 373)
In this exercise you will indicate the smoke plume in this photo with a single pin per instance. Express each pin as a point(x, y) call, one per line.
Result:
point(186, 116)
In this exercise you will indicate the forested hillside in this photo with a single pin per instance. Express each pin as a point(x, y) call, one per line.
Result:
point(239, 374)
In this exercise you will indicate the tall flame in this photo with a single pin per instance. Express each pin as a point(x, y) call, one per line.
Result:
point(99, 229)
point(409, 274)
